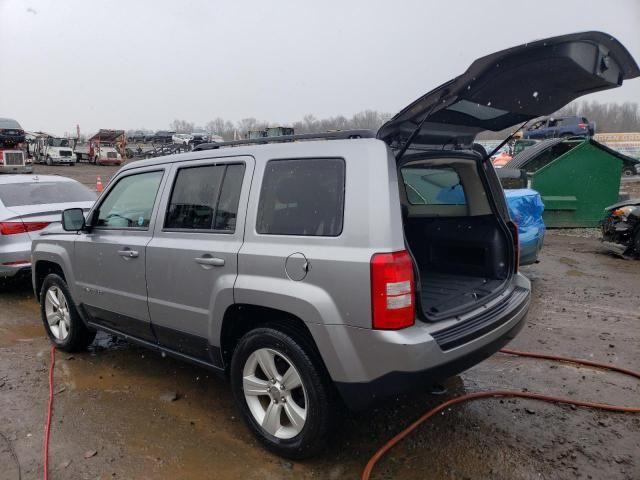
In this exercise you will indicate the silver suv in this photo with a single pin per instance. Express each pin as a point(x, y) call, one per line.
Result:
point(316, 271)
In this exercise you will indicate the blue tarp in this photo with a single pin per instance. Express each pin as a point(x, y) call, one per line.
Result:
point(525, 208)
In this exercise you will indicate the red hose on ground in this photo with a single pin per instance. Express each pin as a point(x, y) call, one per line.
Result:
point(47, 426)
point(507, 393)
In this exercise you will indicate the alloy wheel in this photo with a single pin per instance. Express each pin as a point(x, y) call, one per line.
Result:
point(274, 393)
point(57, 313)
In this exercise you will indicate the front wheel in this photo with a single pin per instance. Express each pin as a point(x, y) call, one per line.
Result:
point(48, 161)
point(61, 320)
point(628, 172)
point(283, 393)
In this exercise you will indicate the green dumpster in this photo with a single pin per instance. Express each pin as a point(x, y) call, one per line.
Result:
point(577, 179)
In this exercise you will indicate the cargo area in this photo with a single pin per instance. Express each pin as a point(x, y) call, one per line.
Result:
point(459, 246)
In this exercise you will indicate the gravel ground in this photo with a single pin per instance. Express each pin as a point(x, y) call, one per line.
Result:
point(122, 412)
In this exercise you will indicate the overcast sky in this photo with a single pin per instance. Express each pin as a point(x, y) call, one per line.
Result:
point(129, 64)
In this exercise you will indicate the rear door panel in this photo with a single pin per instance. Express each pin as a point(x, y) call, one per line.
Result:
point(191, 275)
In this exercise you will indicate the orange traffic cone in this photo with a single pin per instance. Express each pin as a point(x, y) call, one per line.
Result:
point(99, 186)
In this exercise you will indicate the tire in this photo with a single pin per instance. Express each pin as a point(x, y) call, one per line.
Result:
point(94, 160)
point(66, 319)
point(628, 172)
point(635, 243)
point(314, 403)
point(48, 161)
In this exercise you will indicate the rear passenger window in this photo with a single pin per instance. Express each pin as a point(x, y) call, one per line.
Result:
point(433, 186)
point(205, 198)
point(302, 197)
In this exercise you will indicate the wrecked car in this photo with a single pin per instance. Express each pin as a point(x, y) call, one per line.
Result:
point(621, 228)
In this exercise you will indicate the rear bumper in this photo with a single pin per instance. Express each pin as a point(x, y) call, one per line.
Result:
point(9, 271)
point(15, 257)
point(367, 365)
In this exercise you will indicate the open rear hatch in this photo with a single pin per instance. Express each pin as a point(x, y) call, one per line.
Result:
point(511, 87)
point(456, 223)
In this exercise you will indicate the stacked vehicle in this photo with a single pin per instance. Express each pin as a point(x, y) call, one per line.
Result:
point(102, 148)
point(12, 157)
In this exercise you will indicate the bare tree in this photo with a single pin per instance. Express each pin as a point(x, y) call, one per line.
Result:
point(181, 126)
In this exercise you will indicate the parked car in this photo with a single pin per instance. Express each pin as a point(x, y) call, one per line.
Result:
point(560, 127)
point(313, 273)
point(198, 137)
point(621, 228)
point(137, 136)
point(11, 133)
point(182, 139)
point(161, 136)
point(29, 204)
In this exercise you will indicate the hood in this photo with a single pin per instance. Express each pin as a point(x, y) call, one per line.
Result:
point(633, 202)
point(57, 150)
point(510, 87)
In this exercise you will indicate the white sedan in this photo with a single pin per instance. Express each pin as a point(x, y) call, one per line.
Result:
point(28, 205)
point(182, 138)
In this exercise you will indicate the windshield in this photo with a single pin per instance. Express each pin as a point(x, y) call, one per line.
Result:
point(8, 123)
point(58, 142)
point(39, 193)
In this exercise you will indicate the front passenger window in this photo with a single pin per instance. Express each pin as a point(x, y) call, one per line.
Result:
point(130, 202)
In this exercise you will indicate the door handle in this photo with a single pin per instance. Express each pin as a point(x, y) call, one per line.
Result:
point(208, 261)
point(128, 253)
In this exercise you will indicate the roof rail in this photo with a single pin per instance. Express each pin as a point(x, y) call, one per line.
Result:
point(337, 135)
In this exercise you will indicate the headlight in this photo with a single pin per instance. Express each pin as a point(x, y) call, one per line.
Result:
point(622, 212)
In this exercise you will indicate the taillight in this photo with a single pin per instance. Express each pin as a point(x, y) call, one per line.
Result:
point(513, 228)
point(12, 228)
point(392, 291)
point(583, 125)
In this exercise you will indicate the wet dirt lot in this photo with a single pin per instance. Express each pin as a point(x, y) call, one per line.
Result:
point(136, 415)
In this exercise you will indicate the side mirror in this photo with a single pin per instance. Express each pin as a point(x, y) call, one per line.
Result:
point(73, 219)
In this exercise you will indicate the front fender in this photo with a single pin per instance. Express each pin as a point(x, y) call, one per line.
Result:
point(54, 252)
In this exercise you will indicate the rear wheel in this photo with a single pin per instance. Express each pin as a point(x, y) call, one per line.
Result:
point(283, 394)
point(628, 172)
point(48, 160)
point(61, 320)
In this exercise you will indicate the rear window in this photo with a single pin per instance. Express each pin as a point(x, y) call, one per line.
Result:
point(302, 197)
point(433, 186)
point(39, 193)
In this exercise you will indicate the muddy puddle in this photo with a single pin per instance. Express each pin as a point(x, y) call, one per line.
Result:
point(179, 421)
